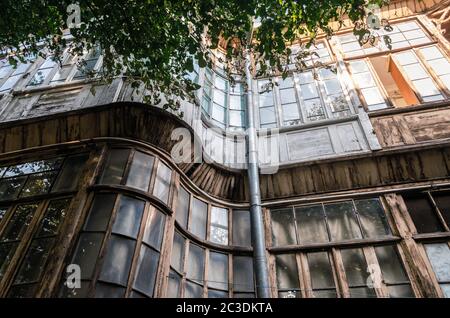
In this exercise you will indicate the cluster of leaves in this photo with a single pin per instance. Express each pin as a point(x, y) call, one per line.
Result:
point(155, 43)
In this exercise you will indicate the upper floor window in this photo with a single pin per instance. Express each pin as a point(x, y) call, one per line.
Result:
point(303, 97)
point(405, 78)
point(223, 103)
point(402, 35)
point(10, 76)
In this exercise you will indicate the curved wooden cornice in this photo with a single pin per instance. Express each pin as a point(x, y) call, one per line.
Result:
point(151, 125)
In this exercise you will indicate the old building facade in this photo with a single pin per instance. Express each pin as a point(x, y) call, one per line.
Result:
point(355, 181)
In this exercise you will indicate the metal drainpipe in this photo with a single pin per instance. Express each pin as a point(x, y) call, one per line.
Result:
point(257, 226)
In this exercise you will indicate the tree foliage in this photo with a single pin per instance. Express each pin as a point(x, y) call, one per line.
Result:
point(155, 42)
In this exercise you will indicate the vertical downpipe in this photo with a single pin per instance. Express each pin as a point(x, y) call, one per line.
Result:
point(257, 226)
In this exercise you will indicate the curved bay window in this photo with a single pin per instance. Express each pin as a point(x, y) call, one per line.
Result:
point(34, 203)
point(337, 249)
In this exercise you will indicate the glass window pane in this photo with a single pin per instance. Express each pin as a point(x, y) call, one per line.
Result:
point(10, 188)
point(400, 291)
point(431, 53)
point(22, 291)
point(446, 290)
point(311, 224)
point(117, 263)
point(390, 264)
point(18, 223)
point(372, 96)
point(71, 172)
point(288, 96)
point(197, 223)
point(7, 251)
point(154, 229)
point(177, 258)
point(243, 274)
point(193, 290)
point(406, 58)
point(266, 99)
point(86, 253)
point(267, 115)
point(364, 80)
point(440, 66)
point(218, 113)
point(39, 77)
point(81, 292)
point(422, 214)
point(287, 274)
point(290, 112)
point(146, 271)
point(241, 228)
point(38, 184)
point(342, 221)
point(173, 290)
point(140, 171)
point(218, 271)
point(217, 293)
point(2, 213)
point(54, 216)
point(109, 291)
point(33, 167)
point(332, 86)
point(34, 262)
point(236, 102)
point(220, 98)
point(128, 217)
point(220, 83)
point(283, 231)
point(415, 71)
point(182, 211)
point(100, 212)
point(372, 217)
point(195, 263)
point(356, 270)
point(362, 292)
point(320, 270)
point(443, 203)
point(219, 225)
point(115, 166)
point(439, 255)
point(236, 118)
point(426, 87)
point(162, 182)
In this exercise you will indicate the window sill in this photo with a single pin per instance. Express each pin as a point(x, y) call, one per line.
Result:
point(407, 109)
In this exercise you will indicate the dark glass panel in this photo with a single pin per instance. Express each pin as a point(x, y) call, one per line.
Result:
point(117, 263)
point(135, 294)
point(115, 166)
point(372, 217)
point(100, 212)
point(181, 214)
point(325, 293)
point(7, 251)
point(34, 262)
point(146, 271)
point(243, 274)
point(443, 202)
point(178, 252)
point(173, 290)
point(287, 274)
point(195, 263)
point(243, 295)
point(55, 214)
point(10, 188)
point(19, 222)
point(423, 214)
point(241, 228)
point(283, 230)
point(87, 252)
point(154, 229)
point(71, 172)
point(390, 263)
point(129, 216)
point(162, 182)
point(38, 184)
point(355, 266)
point(109, 291)
point(218, 270)
point(193, 290)
point(140, 171)
point(311, 224)
point(2, 213)
point(320, 270)
point(342, 221)
point(439, 255)
point(22, 291)
point(197, 222)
